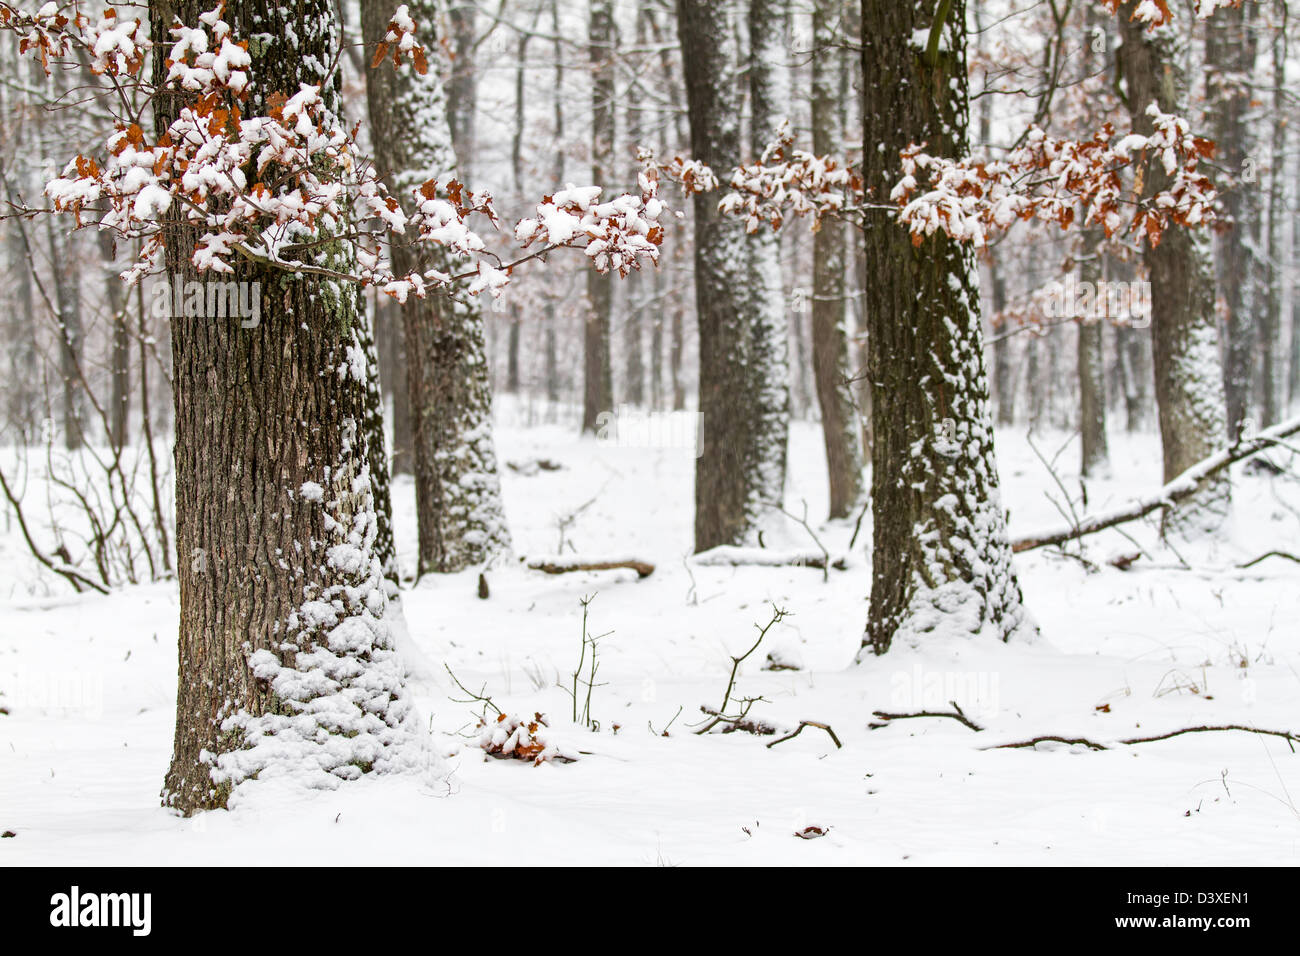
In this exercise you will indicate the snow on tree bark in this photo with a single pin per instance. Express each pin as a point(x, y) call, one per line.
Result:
point(941, 557)
point(744, 401)
point(770, 102)
point(1187, 371)
point(459, 511)
point(286, 662)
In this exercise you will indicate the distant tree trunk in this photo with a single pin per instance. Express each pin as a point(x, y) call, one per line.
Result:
point(830, 342)
point(598, 386)
point(635, 288)
point(1091, 365)
point(551, 347)
point(941, 556)
point(1271, 314)
point(119, 355)
point(513, 335)
point(657, 342)
point(1127, 347)
point(1004, 392)
point(459, 511)
point(1092, 379)
point(285, 658)
point(1004, 377)
point(462, 88)
point(1230, 49)
point(743, 396)
point(67, 299)
point(20, 327)
point(1293, 381)
point(390, 342)
point(1188, 380)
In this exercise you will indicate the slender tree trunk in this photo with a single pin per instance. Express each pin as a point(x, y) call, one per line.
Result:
point(557, 176)
point(1092, 379)
point(462, 88)
point(598, 386)
point(830, 341)
point(744, 403)
point(390, 340)
point(119, 356)
point(1271, 314)
point(1095, 454)
point(1230, 59)
point(67, 298)
point(1004, 376)
point(459, 511)
point(285, 658)
point(1187, 372)
point(941, 557)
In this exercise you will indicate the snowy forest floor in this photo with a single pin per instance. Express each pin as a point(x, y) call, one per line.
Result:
point(89, 683)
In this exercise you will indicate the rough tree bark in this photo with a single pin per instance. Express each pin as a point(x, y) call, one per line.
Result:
point(461, 520)
point(1187, 372)
point(941, 558)
point(840, 432)
point(743, 398)
point(285, 656)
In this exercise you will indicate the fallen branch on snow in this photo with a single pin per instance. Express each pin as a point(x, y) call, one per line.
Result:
point(727, 555)
point(808, 723)
point(1290, 738)
point(956, 714)
point(1181, 487)
point(559, 564)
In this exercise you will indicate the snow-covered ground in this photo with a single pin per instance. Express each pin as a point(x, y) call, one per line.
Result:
point(89, 685)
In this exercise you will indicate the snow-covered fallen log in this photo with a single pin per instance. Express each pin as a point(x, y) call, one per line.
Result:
point(568, 563)
point(726, 555)
point(1168, 496)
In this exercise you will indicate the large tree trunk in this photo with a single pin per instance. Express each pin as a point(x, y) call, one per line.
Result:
point(829, 340)
point(941, 558)
point(459, 512)
point(1230, 60)
point(743, 395)
point(286, 664)
point(1188, 380)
